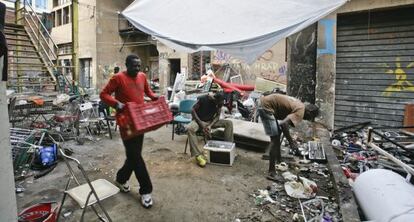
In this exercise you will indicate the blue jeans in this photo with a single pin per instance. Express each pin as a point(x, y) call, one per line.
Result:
point(272, 129)
point(270, 124)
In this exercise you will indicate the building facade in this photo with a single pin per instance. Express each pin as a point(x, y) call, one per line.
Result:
point(101, 46)
point(365, 63)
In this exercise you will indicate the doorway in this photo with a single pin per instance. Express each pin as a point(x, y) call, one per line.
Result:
point(175, 67)
point(85, 73)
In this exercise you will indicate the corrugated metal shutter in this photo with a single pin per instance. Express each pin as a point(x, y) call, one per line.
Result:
point(375, 67)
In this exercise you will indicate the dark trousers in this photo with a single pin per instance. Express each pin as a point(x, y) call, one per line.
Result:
point(275, 155)
point(135, 162)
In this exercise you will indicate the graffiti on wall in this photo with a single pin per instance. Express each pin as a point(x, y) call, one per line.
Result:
point(402, 83)
point(164, 55)
point(107, 70)
point(265, 67)
point(327, 37)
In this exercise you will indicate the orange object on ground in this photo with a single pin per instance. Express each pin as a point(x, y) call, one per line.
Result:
point(409, 117)
point(37, 100)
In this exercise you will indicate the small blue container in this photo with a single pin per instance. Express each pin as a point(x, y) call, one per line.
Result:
point(48, 155)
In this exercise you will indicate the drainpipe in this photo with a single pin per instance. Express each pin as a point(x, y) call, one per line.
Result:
point(75, 41)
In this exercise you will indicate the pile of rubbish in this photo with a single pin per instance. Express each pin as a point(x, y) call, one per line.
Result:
point(304, 192)
point(379, 165)
point(63, 117)
point(356, 156)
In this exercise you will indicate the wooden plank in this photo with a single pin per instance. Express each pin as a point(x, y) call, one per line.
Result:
point(263, 85)
point(251, 130)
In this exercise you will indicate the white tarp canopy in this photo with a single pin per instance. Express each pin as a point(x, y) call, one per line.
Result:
point(243, 29)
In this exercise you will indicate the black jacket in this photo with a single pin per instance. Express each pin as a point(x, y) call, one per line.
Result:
point(3, 43)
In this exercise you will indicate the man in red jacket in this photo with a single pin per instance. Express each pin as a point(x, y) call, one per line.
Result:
point(130, 86)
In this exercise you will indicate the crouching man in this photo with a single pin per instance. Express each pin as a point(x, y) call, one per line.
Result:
point(278, 113)
point(206, 116)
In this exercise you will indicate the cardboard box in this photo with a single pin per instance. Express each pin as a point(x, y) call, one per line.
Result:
point(220, 152)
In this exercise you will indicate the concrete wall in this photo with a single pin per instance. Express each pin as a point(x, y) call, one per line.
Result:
point(87, 38)
point(166, 53)
point(360, 5)
point(8, 207)
point(108, 40)
point(302, 64)
point(62, 34)
point(326, 53)
point(271, 65)
point(325, 69)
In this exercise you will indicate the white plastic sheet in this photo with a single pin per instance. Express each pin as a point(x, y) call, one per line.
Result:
point(244, 29)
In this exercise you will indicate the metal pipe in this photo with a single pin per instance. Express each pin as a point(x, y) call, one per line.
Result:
point(407, 168)
point(389, 140)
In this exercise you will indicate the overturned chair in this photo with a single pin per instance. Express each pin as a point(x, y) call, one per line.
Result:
point(89, 193)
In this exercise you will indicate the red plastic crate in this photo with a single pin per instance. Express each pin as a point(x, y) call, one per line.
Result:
point(136, 119)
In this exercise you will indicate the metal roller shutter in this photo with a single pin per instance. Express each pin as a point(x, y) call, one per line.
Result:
point(374, 67)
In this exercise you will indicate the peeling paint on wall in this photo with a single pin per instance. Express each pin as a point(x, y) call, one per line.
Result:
point(107, 70)
point(327, 45)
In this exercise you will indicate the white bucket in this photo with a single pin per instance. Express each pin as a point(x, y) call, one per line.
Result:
point(385, 196)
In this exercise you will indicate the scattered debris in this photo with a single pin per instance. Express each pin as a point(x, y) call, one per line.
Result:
point(67, 214)
point(301, 188)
